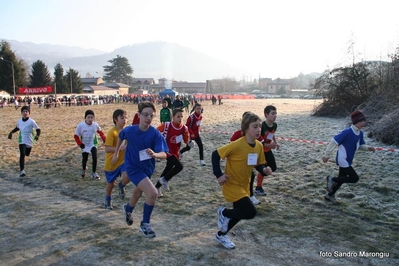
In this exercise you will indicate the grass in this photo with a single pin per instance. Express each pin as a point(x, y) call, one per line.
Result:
point(52, 217)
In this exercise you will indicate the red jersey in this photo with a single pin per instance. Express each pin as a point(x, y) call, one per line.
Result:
point(193, 123)
point(136, 119)
point(238, 134)
point(174, 136)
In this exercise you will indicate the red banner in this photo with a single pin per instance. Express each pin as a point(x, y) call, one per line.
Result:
point(40, 90)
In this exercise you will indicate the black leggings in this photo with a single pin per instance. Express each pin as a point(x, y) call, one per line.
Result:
point(345, 175)
point(173, 167)
point(271, 161)
point(23, 151)
point(85, 158)
point(200, 147)
point(242, 209)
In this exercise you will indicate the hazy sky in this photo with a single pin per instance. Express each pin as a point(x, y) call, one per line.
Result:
point(272, 38)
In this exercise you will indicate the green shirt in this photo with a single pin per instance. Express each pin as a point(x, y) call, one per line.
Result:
point(165, 115)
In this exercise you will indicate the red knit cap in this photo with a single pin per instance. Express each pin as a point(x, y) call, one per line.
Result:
point(357, 116)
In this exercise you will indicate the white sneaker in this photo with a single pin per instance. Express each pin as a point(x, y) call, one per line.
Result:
point(202, 163)
point(223, 222)
point(330, 198)
point(254, 200)
point(164, 183)
point(225, 241)
point(160, 194)
point(330, 183)
point(22, 174)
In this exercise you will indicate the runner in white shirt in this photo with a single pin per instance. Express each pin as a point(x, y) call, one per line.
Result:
point(26, 136)
point(86, 138)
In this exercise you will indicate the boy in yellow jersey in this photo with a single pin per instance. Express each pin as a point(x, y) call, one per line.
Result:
point(242, 156)
point(112, 171)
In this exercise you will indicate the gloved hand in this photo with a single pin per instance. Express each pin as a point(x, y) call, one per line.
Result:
point(37, 137)
point(82, 146)
point(9, 135)
point(191, 144)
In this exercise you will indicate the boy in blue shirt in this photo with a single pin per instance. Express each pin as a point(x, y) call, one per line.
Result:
point(348, 142)
point(144, 144)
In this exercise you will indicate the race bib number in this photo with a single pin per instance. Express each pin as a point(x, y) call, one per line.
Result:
point(252, 159)
point(143, 155)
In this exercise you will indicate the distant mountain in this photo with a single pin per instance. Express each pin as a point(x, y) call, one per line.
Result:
point(32, 52)
point(149, 60)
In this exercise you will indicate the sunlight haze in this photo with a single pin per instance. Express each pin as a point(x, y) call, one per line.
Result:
point(267, 38)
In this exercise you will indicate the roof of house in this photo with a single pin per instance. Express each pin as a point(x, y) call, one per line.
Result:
point(114, 85)
point(182, 85)
point(101, 88)
point(143, 80)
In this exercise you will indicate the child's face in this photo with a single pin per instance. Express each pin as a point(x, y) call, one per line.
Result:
point(89, 119)
point(121, 121)
point(198, 110)
point(178, 118)
point(25, 113)
point(360, 124)
point(253, 131)
point(271, 116)
point(163, 104)
point(146, 116)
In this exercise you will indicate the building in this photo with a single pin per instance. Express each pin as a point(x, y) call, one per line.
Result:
point(142, 84)
point(182, 87)
point(278, 86)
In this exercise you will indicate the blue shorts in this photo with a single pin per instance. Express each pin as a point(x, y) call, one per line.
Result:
point(111, 176)
point(136, 177)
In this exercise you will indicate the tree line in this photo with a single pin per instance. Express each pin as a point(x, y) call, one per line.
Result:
point(372, 86)
point(65, 81)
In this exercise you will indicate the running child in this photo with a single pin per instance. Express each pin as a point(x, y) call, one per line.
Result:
point(269, 127)
point(86, 138)
point(348, 141)
point(236, 135)
point(193, 123)
point(165, 115)
point(113, 171)
point(242, 156)
point(175, 133)
point(144, 144)
point(26, 137)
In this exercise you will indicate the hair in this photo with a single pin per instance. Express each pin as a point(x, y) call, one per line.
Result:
point(196, 105)
point(269, 108)
point(247, 119)
point(25, 108)
point(177, 110)
point(164, 101)
point(117, 113)
point(143, 105)
point(246, 112)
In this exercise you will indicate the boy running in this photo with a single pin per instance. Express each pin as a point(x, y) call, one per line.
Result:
point(25, 126)
point(175, 133)
point(112, 171)
point(242, 156)
point(144, 144)
point(193, 123)
point(348, 141)
point(269, 127)
point(86, 138)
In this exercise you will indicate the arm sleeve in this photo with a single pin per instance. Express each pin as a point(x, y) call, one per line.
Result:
point(103, 137)
point(330, 148)
point(364, 147)
point(15, 130)
point(260, 168)
point(216, 164)
point(38, 132)
point(77, 140)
